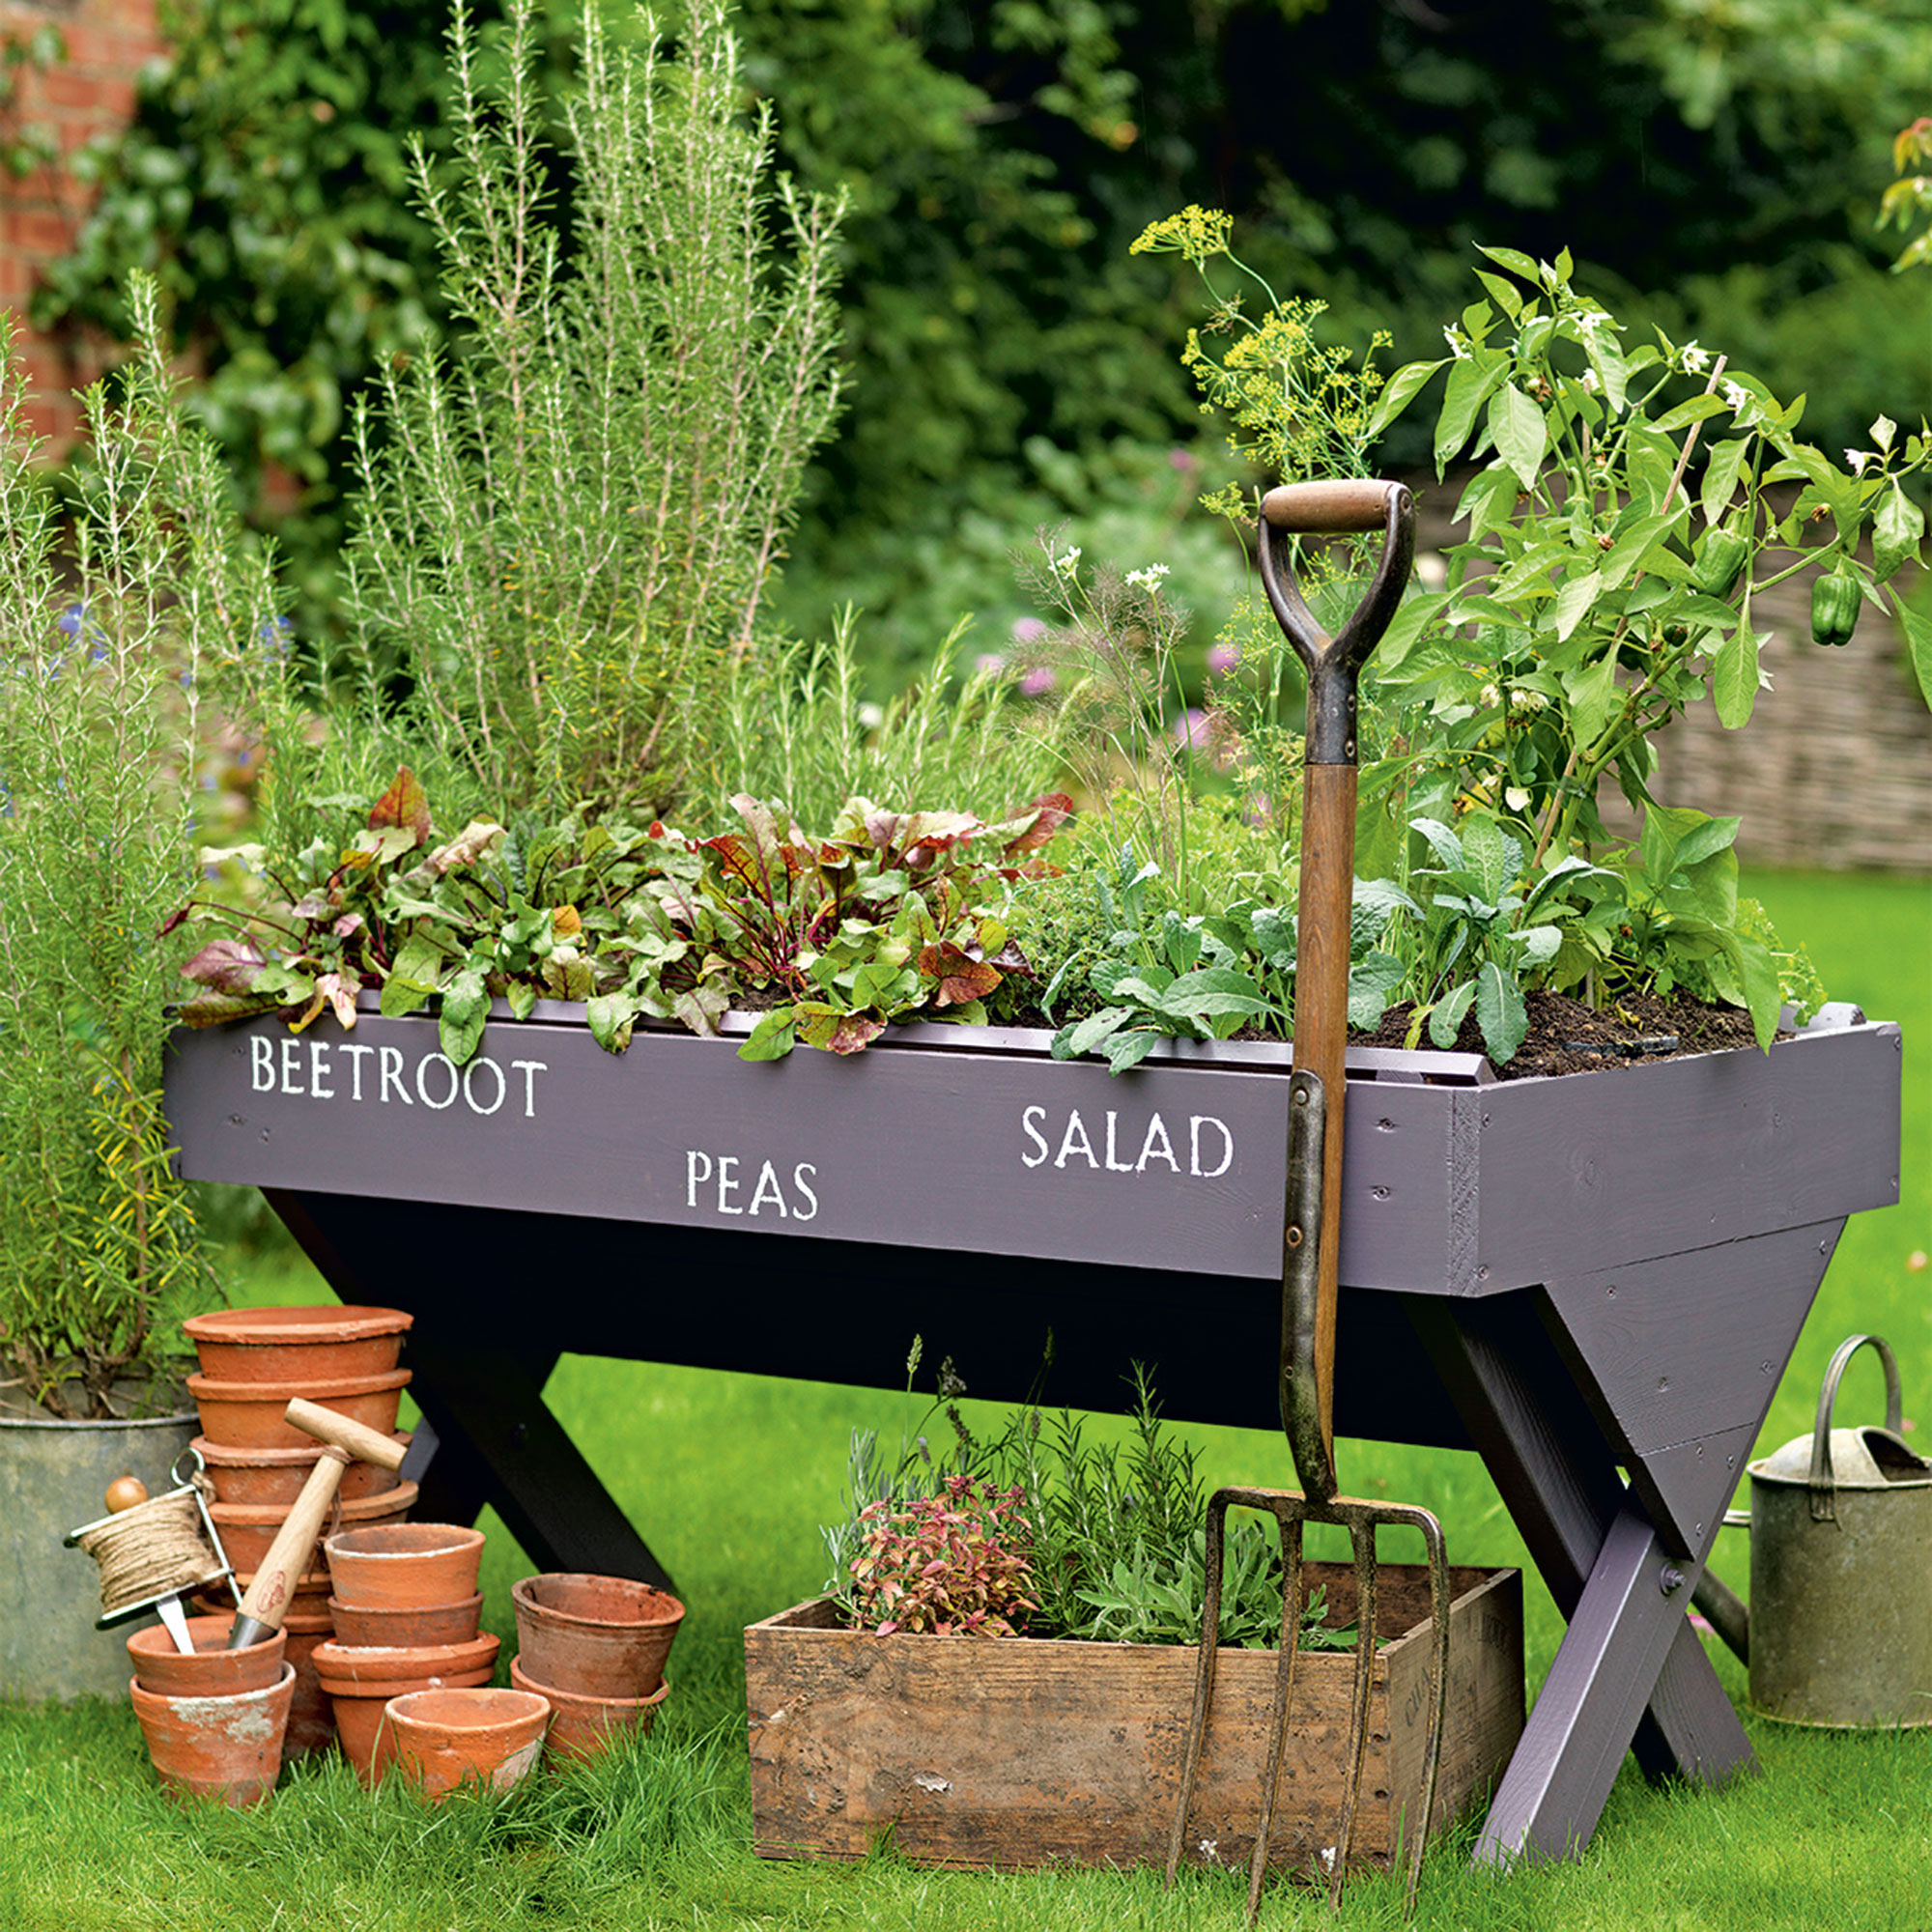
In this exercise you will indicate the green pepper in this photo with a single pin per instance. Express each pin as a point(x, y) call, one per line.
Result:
point(1720, 562)
point(1835, 608)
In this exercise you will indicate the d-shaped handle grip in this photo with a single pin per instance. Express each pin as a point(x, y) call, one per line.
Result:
point(1334, 664)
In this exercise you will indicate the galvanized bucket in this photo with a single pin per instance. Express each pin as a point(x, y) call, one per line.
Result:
point(1842, 1570)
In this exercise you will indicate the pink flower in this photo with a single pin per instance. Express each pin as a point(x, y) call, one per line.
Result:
point(1038, 682)
point(1192, 728)
point(1028, 629)
point(1222, 659)
point(989, 661)
point(1184, 460)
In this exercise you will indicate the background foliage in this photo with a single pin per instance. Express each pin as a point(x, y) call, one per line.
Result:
point(1704, 162)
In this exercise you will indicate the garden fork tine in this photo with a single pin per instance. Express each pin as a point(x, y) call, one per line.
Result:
point(1312, 1221)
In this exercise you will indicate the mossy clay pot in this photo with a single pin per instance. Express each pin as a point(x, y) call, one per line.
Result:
point(228, 1748)
point(213, 1670)
point(600, 1636)
point(483, 1739)
point(583, 1727)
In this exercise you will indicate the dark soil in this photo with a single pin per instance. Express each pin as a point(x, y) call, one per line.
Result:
point(1566, 1036)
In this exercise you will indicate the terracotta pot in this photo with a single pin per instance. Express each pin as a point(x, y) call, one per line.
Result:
point(401, 1563)
point(247, 1530)
point(603, 1636)
point(311, 1715)
point(360, 1681)
point(308, 1599)
point(259, 1476)
point(485, 1739)
point(316, 1344)
point(582, 1727)
point(224, 1748)
point(213, 1670)
point(412, 1624)
point(248, 1415)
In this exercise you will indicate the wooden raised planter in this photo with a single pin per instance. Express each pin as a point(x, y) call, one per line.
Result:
point(1018, 1752)
point(1594, 1281)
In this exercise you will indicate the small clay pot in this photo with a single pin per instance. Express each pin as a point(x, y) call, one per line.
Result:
point(249, 1529)
point(213, 1670)
point(258, 1476)
point(397, 1564)
point(360, 1681)
point(248, 1415)
point(224, 1748)
point(485, 1739)
point(601, 1636)
point(316, 1344)
point(308, 1599)
point(582, 1727)
point(311, 1715)
point(412, 1624)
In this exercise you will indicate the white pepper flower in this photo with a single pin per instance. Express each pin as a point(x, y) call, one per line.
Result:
point(1736, 395)
point(1516, 798)
point(1696, 360)
point(1857, 458)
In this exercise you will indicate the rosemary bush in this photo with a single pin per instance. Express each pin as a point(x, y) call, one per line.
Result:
point(117, 629)
point(565, 527)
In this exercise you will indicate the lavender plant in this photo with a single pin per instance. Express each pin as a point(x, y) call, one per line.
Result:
point(121, 627)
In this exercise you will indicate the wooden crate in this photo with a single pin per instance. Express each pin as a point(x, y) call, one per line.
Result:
point(1017, 1752)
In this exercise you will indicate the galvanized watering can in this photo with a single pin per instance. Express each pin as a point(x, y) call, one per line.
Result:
point(1840, 1621)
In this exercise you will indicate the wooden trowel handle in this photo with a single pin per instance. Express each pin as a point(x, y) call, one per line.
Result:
point(1315, 509)
point(343, 1442)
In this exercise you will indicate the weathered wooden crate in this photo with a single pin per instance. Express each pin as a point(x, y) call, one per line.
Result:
point(1021, 1752)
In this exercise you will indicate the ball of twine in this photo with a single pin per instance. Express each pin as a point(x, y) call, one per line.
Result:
point(154, 1549)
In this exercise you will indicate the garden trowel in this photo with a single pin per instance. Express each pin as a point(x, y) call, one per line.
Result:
point(1310, 1282)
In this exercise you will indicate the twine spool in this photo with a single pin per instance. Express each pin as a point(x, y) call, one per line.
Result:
point(151, 1550)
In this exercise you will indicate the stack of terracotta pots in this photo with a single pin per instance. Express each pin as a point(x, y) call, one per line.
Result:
point(404, 1611)
point(596, 1646)
point(253, 1361)
point(214, 1722)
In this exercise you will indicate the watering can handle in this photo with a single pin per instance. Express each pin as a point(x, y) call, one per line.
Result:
point(1824, 1486)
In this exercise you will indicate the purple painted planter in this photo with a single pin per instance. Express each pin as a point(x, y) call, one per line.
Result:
point(1579, 1277)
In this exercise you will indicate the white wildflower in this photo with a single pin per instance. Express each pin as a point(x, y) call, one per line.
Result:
point(1516, 798)
point(1696, 360)
point(870, 717)
point(1148, 580)
point(1066, 565)
point(1857, 458)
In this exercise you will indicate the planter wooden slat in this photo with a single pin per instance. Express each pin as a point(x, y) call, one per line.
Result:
point(1018, 1753)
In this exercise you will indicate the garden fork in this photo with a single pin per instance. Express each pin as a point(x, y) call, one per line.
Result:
point(1310, 1282)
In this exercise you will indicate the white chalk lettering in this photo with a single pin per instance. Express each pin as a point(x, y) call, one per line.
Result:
point(290, 1074)
point(798, 1181)
point(262, 1063)
point(469, 1074)
point(355, 1049)
point(318, 1070)
point(529, 1069)
point(1195, 1122)
point(1115, 1166)
point(727, 1186)
point(1033, 1134)
point(768, 1180)
point(1075, 1127)
point(695, 1177)
point(1156, 1130)
point(423, 1067)
point(390, 1060)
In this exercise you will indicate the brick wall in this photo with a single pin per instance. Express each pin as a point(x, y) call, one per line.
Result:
point(89, 94)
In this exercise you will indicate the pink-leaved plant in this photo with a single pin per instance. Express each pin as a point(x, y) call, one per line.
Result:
point(952, 1565)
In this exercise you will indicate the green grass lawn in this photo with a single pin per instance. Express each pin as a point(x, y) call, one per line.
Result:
point(729, 1476)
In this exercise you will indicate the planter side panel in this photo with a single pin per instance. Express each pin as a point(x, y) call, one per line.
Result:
point(1642, 1162)
point(1016, 1754)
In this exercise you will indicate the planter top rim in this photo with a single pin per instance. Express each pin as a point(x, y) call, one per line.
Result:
point(243, 1328)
